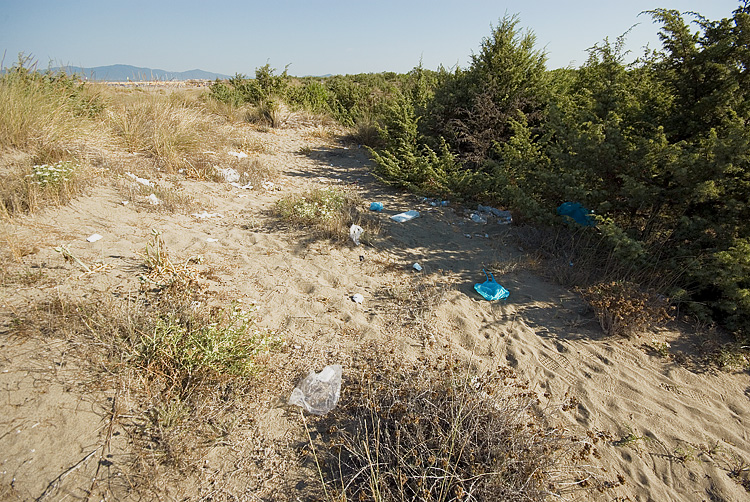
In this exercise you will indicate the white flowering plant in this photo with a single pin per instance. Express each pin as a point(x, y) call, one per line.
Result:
point(52, 174)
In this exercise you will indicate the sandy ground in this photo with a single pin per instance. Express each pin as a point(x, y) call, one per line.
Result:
point(668, 428)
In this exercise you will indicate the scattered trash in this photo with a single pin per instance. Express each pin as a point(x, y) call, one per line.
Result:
point(435, 202)
point(206, 214)
point(211, 239)
point(503, 217)
point(268, 185)
point(355, 232)
point(468, 236)
point(478, 218)
point(125, 202)
point(93, 237)
point(243, 187)
point(376, 206)
point(239, 155)
point(408, 215)
point(490, 289)
point(230, 175)
point(153, 200)
point(357, 298)
point(142, 181)
point(361, 258)
point(318, 393)
point(577, 213)
point(417, 267)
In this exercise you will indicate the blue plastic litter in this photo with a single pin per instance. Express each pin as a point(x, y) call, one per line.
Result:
point(490, 289)
point(578, 213)
point(376, 206)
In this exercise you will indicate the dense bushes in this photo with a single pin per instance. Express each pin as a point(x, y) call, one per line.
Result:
point(658, 148)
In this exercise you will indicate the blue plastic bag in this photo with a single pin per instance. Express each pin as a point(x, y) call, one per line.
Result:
point(490, 289)
point(578, 213)
point(376, 206)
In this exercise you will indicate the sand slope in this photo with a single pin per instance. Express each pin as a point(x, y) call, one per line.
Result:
point(672, 431)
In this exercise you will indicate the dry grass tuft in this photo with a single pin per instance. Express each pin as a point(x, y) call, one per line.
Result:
point(330, 212)
point(623, 308)
point(435, 433)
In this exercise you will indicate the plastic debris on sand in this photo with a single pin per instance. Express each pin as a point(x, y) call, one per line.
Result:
point(206, 214)
point(318, 393)
point(490, 289)
point(355, 232)
point(142, 181)
point(406, 216)
point(230, 175)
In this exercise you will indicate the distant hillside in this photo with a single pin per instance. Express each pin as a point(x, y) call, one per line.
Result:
point(122, 73)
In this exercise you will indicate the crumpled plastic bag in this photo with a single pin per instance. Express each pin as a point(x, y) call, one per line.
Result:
point(318, 393)
point(577, 213)
point(355, 232)
point(490, 289)
point(230, 175)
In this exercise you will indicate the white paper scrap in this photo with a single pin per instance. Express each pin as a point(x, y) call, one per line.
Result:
point(93, 237)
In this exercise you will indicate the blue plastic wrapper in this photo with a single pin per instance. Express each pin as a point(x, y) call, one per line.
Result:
point(490, 289)
point(577, 213)
point(376, 206)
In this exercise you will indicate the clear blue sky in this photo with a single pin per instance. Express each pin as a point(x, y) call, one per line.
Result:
point(314, 37)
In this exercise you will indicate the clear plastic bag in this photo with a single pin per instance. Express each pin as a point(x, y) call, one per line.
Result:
point(318, 393)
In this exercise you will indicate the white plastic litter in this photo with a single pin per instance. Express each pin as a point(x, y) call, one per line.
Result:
point(142, 181)
point(206, 214)
point(355, 232)
point(406, 216)
point(211, 239)
point(268, 185)
point(230, 175)
point(243, 187)
point(417, 267)
point(153, 200)
point(318, 393)
point(239, 155)
point(93, 237)
point(357, 298)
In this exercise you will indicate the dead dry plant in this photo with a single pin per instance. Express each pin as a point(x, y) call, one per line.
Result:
point(411, 432)
point(624, 308)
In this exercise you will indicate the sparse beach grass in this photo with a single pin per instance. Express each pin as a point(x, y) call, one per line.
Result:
point(433, 432)
point(330, 212)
